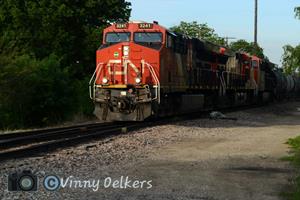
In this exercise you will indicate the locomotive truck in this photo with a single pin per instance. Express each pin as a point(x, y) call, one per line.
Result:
point(144, 70)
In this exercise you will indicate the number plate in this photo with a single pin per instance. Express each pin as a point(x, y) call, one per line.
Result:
point(122, 26)
point(145, 26)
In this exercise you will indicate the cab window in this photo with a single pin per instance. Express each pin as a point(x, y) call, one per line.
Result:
point(151, 40)
point(169, 40)
point(116, 37)
point(146, 37)
point(254, 64)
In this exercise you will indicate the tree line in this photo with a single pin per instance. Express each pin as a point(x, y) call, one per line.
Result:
point(203, 31)
point(291, 56)
point(47, 55)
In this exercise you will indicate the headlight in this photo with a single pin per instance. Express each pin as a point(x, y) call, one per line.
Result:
point(125, 50)
point(104, 80)
point(138, 80)
point(123, 93)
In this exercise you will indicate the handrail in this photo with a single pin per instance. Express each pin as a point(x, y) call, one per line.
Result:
point(157, 90)
point(223, 80)
point(256, 86)
point(235, 74)
point(91, 80)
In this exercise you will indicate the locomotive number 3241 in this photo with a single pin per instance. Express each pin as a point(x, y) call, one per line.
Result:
point(145, 26)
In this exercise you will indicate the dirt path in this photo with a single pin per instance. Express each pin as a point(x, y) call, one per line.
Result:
point(239, 161)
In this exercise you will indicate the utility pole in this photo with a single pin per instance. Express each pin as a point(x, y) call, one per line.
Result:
point(228, 38)
point(255, 22)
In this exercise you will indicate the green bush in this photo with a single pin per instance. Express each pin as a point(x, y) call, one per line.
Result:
point(294, 192)
point(35, 92)
point(84, 104)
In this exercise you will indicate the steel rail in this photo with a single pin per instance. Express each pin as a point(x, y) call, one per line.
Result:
point(53, 135)
point(47, 130)
point(31, 145)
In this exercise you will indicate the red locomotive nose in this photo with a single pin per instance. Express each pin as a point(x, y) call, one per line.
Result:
point(127, 63)
point(222, 50)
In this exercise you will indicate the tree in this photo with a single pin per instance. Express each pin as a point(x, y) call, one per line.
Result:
point(47, 54)
point(71, 29)
point(251, 48)
point(297, 12)
point(291, 59)
point(196, 30)
point(35, 92)
point(291, 55)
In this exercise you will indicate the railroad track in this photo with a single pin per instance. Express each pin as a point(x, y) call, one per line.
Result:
point(33, 143)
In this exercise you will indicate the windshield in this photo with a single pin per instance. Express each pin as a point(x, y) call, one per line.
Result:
point(148, 37)
point(115, 37)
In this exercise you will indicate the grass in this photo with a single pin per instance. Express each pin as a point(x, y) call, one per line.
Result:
point(294, 158)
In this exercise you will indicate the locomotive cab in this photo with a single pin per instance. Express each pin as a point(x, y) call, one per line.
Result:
point(125, 85)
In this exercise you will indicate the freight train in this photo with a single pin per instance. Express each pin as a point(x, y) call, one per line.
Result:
point(144, 70)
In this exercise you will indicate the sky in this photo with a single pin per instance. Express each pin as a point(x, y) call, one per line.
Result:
point(277, 25)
